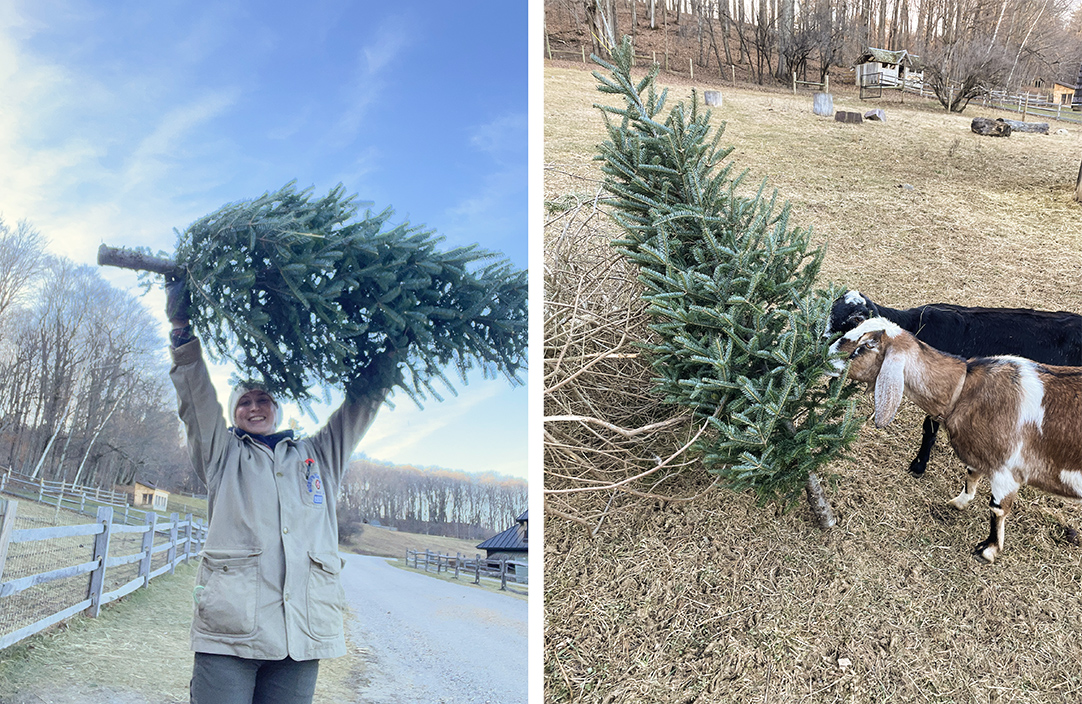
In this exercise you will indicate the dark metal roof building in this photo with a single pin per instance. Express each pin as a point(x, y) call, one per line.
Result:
point(514, 539)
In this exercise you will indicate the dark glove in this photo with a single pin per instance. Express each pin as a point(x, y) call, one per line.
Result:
point(380, 375)
point(177, 298)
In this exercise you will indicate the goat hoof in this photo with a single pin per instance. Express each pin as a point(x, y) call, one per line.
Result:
point(917, 468)
point(986, 551)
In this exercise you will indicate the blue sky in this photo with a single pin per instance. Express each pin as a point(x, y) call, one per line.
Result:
point(120, 121)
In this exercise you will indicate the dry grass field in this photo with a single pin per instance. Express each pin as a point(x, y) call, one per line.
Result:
point(717, 599)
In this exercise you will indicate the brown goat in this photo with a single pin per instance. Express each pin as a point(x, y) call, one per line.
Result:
point(1010, 419)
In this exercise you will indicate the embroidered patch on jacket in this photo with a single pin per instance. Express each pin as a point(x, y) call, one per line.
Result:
point(315, 482)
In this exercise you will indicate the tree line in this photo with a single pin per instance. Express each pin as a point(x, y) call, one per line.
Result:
point(84, 389)
point(965, 47)
point(434, 501)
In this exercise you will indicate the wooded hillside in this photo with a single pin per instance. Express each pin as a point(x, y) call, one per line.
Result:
point(430, 500)
point(990, 44)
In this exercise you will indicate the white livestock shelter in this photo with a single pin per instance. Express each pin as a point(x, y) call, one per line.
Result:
point(888, 68)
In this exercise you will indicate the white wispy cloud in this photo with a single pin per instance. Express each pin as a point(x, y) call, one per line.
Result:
point(502, 137)
point(374, 60)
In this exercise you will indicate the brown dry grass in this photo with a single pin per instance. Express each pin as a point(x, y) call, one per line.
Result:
point(719, 600)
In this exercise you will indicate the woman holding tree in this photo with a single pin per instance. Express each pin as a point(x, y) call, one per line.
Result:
point(268, 599)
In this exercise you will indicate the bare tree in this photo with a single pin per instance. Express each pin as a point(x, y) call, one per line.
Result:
point(22, 260)
point(961, 71)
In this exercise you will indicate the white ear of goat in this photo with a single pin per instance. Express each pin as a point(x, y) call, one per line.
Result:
point(889, 387)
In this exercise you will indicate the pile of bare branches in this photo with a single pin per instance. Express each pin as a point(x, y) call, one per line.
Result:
point(606, 433)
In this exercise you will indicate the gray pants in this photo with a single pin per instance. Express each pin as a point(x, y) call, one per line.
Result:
point(225, 679)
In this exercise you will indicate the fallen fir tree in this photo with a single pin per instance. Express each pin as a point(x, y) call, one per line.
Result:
point(299, 291)
point(738, 327)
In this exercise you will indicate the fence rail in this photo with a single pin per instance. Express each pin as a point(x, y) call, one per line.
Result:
point(73, 497)
point(61, 554)
point(502, 569)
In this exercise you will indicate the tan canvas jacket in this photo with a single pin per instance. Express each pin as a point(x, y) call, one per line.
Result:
point(268, 583)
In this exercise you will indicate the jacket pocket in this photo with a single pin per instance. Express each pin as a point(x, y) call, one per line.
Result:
point(227, 592)
point(325, 594)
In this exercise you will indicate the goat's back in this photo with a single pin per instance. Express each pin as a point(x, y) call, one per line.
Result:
point(1048, 337)
point(1006, 400)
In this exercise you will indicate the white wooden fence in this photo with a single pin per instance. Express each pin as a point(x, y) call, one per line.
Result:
point(72, 497)
point(185, 540)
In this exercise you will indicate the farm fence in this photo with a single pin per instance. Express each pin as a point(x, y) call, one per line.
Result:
point(72, 497)
point(502, 569)
point(50, 572)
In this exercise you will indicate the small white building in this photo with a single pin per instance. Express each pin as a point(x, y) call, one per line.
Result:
point(147, 496)
point(888, 68)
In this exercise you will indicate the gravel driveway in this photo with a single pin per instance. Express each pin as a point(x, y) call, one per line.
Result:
point(426, 640)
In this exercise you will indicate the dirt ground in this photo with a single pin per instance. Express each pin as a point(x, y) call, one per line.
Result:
point(718, 599)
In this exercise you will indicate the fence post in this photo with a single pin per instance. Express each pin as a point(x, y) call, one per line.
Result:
point(188, 538)
point(7, 522)
point(174, 519)
point(503, 574)
point(101, 554)
point(477, 569)
point(148, 546)
point(458, 563)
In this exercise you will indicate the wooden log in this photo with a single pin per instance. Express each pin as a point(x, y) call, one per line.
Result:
point(823, 104)
point(1034, 127)
point(990, 128)
point(712, 98)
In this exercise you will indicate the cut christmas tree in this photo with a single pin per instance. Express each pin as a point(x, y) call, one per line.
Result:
point(738, 326)
point(301, 292)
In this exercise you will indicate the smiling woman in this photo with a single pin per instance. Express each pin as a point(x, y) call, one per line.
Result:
point(254, 410)
point(273, 536)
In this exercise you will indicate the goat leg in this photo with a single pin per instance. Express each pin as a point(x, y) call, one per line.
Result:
point(999, 509)
point(927, 440)
point(969, 490)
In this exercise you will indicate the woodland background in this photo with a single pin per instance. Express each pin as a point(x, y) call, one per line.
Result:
point(999, 44)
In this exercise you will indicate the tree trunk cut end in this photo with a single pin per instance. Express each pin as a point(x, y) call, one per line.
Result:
point(819, 503)
point(130, 259)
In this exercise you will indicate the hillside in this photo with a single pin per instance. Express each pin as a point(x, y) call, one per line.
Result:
point(688, 592)
point(392, 543)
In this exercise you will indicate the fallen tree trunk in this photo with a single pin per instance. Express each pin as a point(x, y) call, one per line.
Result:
point(989, 127)
point(1035, 127)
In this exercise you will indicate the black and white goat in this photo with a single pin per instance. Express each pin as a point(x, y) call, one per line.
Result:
point(1010, 419)
point(1043, 336)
